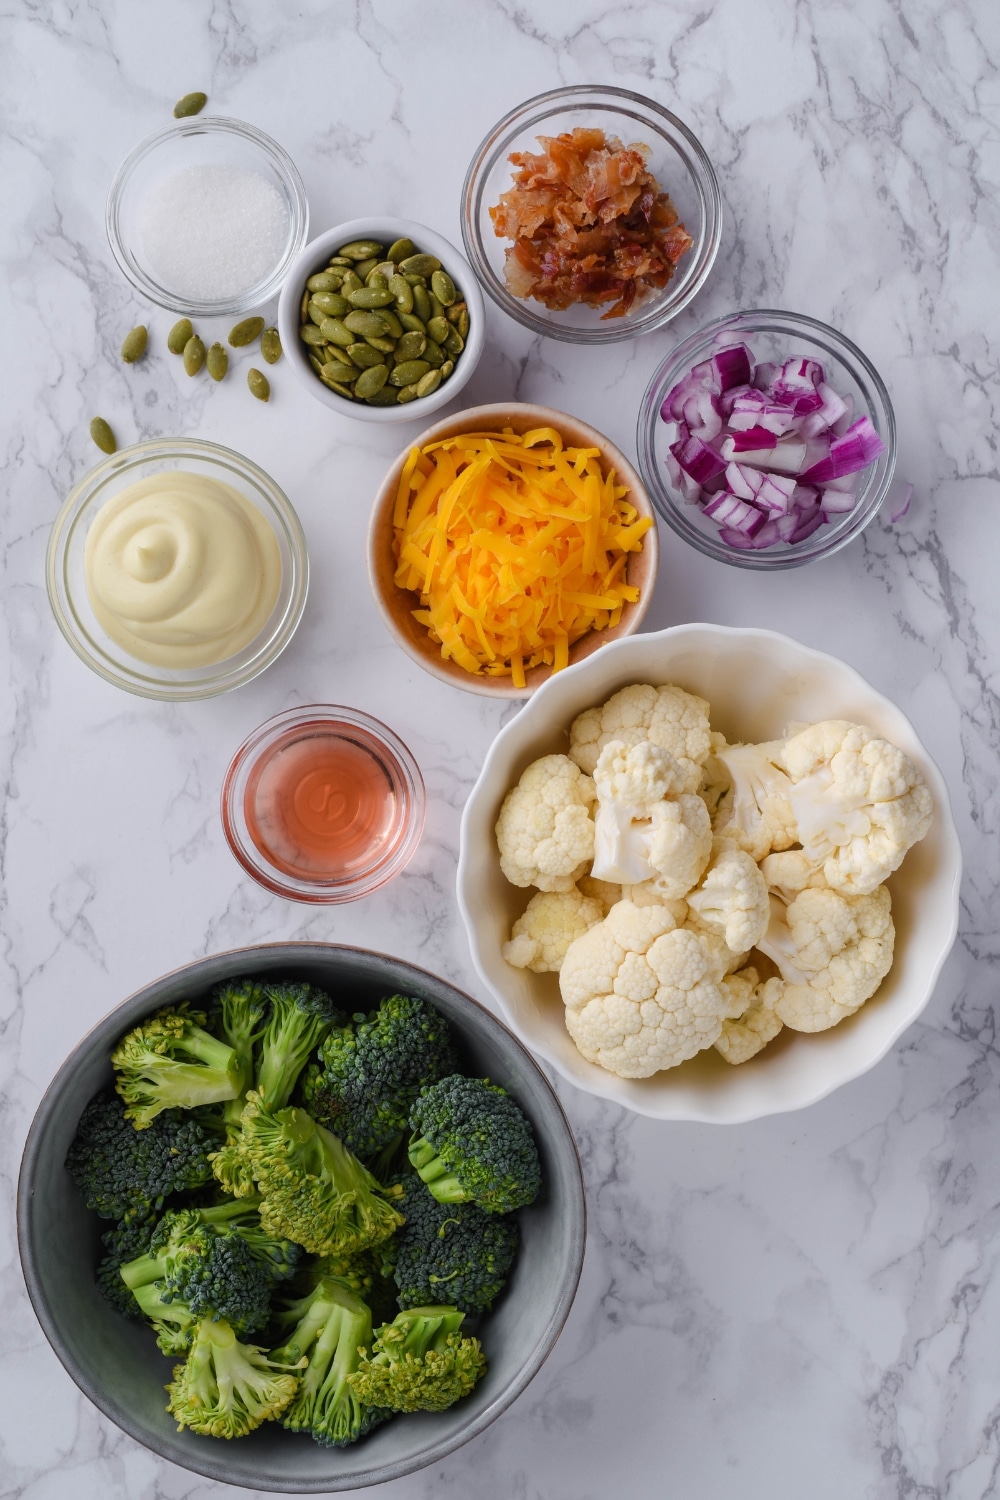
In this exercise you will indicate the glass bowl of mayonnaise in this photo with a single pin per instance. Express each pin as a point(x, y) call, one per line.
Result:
point(177, 569)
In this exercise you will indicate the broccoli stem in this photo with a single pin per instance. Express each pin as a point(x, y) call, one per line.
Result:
point(432, 1170)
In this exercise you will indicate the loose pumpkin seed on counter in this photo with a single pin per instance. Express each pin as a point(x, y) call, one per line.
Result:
point(191, 104)
point(217, 361)
point(134, 345)
point(178, 336)
point(270, 345)
point(194, 354)
point(103, 436)
point(259, 384)
point(244, 333)
point(382, 326)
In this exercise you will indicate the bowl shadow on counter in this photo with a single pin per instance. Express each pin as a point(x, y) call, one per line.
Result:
point(116, 1362)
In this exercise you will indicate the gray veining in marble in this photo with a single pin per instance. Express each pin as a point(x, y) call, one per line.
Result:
point(809, 1305)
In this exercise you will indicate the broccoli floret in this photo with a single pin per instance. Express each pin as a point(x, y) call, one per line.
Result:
point(238, 1012)
point(369, 1074)
point(225, 1388)
point(314, 1190)
point(172, 1061)
point(192, 1271)
point(420, 1362)
point(299, 1019)
point(471, 1141)
point(456, 1250)
point(278, 1256)
point(331, 1325)
point(123, 1243)
point(122, 1171)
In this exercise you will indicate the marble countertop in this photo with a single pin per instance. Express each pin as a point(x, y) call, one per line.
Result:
point(805, 1305)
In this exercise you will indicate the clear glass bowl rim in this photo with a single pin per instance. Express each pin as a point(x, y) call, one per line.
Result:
point(694, 348)
point(531, 113)
point(282, 163)
point(82, 496)
point(322, 893)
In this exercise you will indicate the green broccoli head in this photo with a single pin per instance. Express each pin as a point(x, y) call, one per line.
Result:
point(456, 1250)
point(420, 1362)
point(237, 1012)
point(279, 1257)
point(314, 1191)
point(122, 1171)
point(123, 1243)
point(472, 1142)
point(192, 1270)
point(172, 1061)
point(330, 1326)
point(224, 1388)
point(369, 1074)
point(299, 1018)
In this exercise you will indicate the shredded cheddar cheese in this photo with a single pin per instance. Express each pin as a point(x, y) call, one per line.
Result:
point(515, 545)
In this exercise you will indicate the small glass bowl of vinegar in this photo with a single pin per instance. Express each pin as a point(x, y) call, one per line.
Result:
point(323, 804)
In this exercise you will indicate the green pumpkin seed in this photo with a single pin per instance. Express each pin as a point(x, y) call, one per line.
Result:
point(340, 260)
point(447, 368)
point(317, 364)
point(409, 371)
point(438, 329)
point(399, 250)
point(392, 323)
point(337, 332)
point(361, 249)
point(333, 354)
point(351, 283)
point(454, 342)
point(411, 346)
point(437, 311)
point(384, 268)
point(244, 333)
point(387, 396)
point(103, 436)
point(309, 333)
point(463, 323)
point(334, 369)
point(191, 104)
point(443, 288)
point(433, 355)
point(336, 385)
point(408, 393)
point(194, 355)
point(365, 357)
point(324, 281)
point(386, 345)
point(270, 345)
point(402, 292)
point(371, 380)
point(331, 303)
point(259, 384)
point(179, 335)
point(414, 280)
point(367, 324)
point(454, 312)
point(375, 281)
point(370, 297)
point(420, 265)
point(304, 306)
point(421, 302)
point(364, 268)
point(412, 322)
point(316, 312)
point(217, 362)
point(134, 345)
point(428, 384)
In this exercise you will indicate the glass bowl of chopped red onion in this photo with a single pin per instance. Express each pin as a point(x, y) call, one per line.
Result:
point(206, 216)
point(604, 233)
point(767, 440)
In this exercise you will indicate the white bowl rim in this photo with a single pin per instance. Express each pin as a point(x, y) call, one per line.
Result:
point(426, 239)
point(604, 1083)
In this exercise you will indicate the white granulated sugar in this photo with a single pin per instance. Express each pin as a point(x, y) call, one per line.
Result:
point(211, 232)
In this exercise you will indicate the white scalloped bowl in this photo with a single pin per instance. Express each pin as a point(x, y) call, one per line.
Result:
point(757, 682)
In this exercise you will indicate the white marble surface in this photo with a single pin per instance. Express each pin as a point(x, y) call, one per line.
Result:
point(805, 1306)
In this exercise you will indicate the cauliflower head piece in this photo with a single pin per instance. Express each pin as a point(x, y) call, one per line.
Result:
point(551, 921)
point(641, 993)
point(750, 792)
point(832, 951)
point(646, 825)
point(732, 898)
point(666, 716)
point(545, 832)
point(752, 1020)
point(859, 803)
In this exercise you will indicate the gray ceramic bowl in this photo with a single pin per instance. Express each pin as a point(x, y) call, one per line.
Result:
point(117, 1364)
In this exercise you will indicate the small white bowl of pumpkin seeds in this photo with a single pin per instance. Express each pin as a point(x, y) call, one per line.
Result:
point(382, 320)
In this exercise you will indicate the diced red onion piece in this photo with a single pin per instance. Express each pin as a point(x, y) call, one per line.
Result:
point(859, 446)
point(901, 502)
point(806, 527)
point(764, 374)
point(734, 513)
point(689, 490)
point(775, 492)
point(738, 540)
point(768, 534)
point(698, 459)
point(843, 423)
point(752, 440)
point(732, 366)
point(786, 526)
point(837, 502)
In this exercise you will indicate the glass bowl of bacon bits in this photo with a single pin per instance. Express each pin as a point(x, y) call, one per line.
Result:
point(591, 214)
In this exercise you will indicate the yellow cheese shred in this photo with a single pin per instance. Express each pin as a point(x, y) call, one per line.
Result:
point(516, 547)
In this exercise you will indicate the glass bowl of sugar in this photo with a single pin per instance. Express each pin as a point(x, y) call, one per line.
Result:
point(206, 216)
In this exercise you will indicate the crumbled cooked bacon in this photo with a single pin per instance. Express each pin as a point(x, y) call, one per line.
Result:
point(588, 223)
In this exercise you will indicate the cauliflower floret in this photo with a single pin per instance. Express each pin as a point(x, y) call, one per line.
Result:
point(646, 826)
point(551, 921)
point(732, 898)
point(858, 802)
point(752, 1021)
point(666, 716)
point(545, 832)
point(754, 810)
point(641, 993)
point(832, 951)
point(789, 872)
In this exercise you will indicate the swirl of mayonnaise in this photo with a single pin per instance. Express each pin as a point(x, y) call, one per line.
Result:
point(182, 570)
